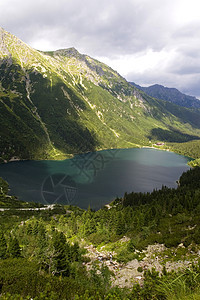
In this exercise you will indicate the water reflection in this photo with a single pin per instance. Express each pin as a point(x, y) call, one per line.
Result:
point(93, 178)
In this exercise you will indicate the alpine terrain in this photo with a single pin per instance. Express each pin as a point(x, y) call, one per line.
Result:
point(169, 94)
point(54, 104)
point(139, 246)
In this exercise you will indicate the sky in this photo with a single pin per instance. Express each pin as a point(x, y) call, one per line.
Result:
point(146, 41)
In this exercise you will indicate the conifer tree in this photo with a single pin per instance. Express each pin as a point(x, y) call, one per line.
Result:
point(3, 245)
point(61, 253)
point(29, 229)
point(35, 228)
point(75, 252)
point(14, 248)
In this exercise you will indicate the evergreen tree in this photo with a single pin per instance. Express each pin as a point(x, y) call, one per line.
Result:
point(3, 245)
point(90, 226)
point(35, 228)
point(14, 248)
point(61, 254)
point(41, 230)
point(120, 224)
point(29, 229)
point(75, 252)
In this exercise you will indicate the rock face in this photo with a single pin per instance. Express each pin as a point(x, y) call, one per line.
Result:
point(3, 48)
point(63, 102)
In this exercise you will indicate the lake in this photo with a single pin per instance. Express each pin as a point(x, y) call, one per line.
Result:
point(94, 179)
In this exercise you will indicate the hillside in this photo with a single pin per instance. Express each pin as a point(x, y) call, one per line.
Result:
point(142, 246)
point(55, 104)
point(169, 94)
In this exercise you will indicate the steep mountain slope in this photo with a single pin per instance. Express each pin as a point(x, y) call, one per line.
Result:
point(169, 94)
point(58, 103)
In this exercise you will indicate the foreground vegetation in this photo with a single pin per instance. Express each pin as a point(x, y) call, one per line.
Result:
point(43, 254)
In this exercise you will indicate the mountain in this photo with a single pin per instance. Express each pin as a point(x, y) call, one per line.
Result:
point(169, 94)
point(55, 104)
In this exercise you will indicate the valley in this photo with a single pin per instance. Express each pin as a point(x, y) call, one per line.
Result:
point(56, 104)
point(104, 215)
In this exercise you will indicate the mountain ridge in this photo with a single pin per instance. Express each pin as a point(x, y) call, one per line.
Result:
point(170, 94)
point(58, 103)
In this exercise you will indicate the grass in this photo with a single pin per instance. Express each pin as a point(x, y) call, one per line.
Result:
point(55, 104)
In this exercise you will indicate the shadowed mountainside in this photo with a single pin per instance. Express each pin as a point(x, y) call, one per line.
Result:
point(54, 104)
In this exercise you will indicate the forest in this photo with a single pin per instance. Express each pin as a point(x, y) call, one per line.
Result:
point(44, 253)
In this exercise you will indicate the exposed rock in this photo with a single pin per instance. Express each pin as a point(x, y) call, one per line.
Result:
point(127, 274)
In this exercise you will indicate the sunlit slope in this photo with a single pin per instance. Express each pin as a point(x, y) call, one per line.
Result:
point(57, 103)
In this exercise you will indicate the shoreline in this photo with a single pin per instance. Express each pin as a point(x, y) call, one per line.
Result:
point(71, 156)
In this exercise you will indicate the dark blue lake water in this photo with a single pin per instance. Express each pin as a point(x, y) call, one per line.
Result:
point(94, 178)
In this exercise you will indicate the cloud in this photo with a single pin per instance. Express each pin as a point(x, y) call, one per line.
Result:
point(104, 27)
point(151, 41)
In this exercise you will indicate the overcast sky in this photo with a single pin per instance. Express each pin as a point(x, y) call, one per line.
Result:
point(146, 41)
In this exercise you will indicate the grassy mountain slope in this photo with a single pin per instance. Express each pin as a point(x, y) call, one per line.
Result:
point(57, 103)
